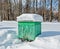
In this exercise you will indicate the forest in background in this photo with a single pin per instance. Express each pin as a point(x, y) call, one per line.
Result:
point(49, 9)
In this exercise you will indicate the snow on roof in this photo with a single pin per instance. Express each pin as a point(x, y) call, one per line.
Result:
point(30, 17)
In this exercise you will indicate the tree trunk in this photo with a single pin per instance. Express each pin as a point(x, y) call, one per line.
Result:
point(10, 17)
point(44, 10)
point(27, 6)
point(14, 10)
point(6, 12)
point(0, 10)
point(20, 7)
point(36, 6)
point(3, 10)
point(50, 18)
point(32, 7)
point(59, 11)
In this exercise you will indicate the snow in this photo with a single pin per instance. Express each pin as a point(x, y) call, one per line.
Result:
point(50, 26)
point(49, 39)
point(30, 17)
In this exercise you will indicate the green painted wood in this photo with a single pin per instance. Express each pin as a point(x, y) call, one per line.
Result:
point(29, 30)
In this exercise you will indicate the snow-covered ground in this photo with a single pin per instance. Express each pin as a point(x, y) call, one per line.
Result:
point(49, 39)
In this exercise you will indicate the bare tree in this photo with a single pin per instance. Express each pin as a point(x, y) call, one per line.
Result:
point(9, 11)
point(14, 9)
point(20, 7)
point(6, 10)
point(10, 15)
point(36, 6)
point(1, 10)
point(44, 10)
point(50, 18)
point(27, 6)
point(32, 6)
point(39, 10)
point(59, 11)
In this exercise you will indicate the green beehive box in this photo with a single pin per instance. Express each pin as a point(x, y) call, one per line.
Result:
point(29, 26)
point(29, 30)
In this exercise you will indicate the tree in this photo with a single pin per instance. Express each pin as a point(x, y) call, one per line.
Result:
point(36, 6)
point(14, 10)
point(50, 18)
point(32, 6)
point(10, 15)
point(39, 10)
point(59, 10)
point(1, 10)
point(44, 10)
point(6, 10)
point(27, 6)
point(20, 7)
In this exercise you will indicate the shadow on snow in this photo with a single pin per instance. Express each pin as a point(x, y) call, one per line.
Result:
point(49, 33)
point(4, 37)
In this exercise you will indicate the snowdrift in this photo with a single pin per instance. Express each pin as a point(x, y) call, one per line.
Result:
point(49, 39)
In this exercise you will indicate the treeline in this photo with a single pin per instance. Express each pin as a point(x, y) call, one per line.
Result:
point(10, 9)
